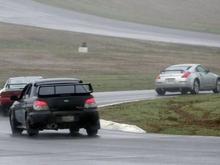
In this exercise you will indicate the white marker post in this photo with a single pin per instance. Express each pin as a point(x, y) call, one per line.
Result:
point(83, 48)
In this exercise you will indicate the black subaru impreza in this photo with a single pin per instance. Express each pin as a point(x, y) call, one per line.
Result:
point(60, 103)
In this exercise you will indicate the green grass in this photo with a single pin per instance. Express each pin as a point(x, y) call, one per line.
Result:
point(184, 115)
point(111, 64)
point(194, 15)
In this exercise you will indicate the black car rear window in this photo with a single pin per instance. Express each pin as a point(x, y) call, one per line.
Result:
point(48, 90)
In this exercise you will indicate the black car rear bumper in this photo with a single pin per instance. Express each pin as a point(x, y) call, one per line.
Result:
point(55, 120)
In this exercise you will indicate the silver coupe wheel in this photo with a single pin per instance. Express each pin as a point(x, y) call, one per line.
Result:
point(195, 89)
point(217, 89)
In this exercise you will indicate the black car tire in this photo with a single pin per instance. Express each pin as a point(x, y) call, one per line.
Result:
point(196, 87)
point(4, 110)
point(217, 88)
point(74, 131)
point(160, 92)
point(91, 131)
point(1, 111)
point(31, 131)
point(14, 124)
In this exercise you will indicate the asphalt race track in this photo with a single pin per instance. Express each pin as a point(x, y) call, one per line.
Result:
point(27, 12)
point(109, 147)
point(111, 98)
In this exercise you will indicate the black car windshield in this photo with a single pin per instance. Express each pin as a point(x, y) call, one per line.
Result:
point(66, 89)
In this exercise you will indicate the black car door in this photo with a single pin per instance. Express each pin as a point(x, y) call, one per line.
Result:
point(20, 109)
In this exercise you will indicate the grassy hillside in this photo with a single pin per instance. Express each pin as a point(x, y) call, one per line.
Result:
point(197, 15)
point(111, 64)
point(184, 115)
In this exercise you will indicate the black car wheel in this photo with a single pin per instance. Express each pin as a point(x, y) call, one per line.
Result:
point(31, 131)
point(196, 87)
point(5, 110)
point(91, 131)
point(217, 88)
point(160, 92)
point(1, 109)
point(14, 124)
point(74, 131)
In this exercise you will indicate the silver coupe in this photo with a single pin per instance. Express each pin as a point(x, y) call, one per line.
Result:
point(186, 78)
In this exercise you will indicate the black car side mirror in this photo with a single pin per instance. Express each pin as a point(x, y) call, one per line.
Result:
point(14, 98)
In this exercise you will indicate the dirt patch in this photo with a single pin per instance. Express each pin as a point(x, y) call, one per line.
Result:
point(186, 117)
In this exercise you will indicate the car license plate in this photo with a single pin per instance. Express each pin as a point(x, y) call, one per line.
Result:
point(170, 80)
point(67, 118)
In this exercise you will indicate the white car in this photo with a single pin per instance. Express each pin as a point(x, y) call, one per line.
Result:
point(186, 78)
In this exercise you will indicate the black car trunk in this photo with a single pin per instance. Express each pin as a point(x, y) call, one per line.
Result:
point(63, 97)
point(66, 103)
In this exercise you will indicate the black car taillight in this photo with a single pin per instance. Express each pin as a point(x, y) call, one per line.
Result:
point(40, 105)
point(90, 103)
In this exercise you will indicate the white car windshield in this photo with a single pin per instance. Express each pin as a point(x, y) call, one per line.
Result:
point(20, 82)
